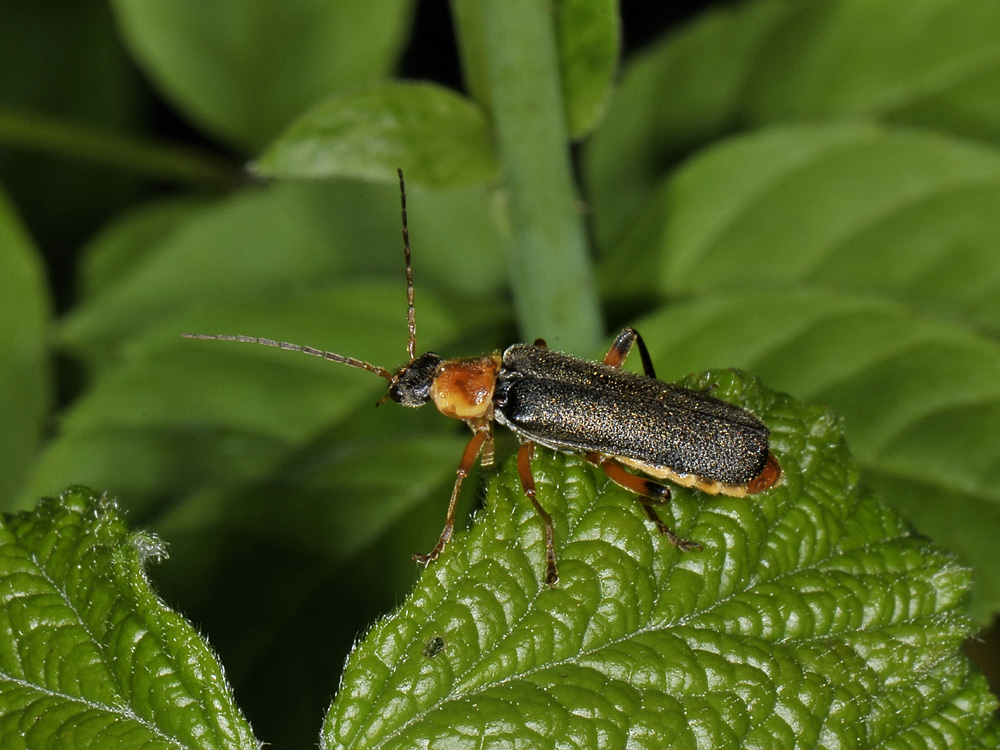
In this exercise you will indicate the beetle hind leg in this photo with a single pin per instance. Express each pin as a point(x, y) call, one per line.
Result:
point(524, 454)
point(619, 351)
point(649, 493)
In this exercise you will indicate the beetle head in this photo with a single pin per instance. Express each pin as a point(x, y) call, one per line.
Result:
point(411, 386)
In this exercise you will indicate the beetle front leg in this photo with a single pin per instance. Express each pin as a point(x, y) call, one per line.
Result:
point(524, 454)
point(623, 345)
point(469, 456)
point(648, 492)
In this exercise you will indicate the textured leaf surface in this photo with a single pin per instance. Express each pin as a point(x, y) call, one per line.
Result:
point(811, 617)
point(436, 136)
point(90, 657)
point(245, 68)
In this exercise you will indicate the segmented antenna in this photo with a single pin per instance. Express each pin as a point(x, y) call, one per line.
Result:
point(411, 323)
point(349, 361)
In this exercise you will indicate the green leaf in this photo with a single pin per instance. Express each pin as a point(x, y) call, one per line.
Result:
point(812, 616)
point(66, 68)
point(935, 63)
point(169, 400)
point(272, 243)
point(903, 214)
point(90, 656)
point(676, 96)
point(245, 69)
point(440, 139)
point(589, 37)
point(931, 63)
point(116, 251)
point(25, 387)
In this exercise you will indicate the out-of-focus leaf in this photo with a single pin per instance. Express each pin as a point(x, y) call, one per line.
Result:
point(62, 61)
point(125, 244)
point(272, 243)
point(812, 616)
point(877, 255)
point(245, 68)
point(902, 214)
point(437, 137)
point(935, 62)
point(24, 355)
point(178, 415)
point(90, 657)
point(932, 63)
point(589, 37)
point(672, 98)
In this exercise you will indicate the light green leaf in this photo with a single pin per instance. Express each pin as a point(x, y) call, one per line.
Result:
point(677, 96)
point(911, 62)
point(932, 63)
point(437, 137)
point(875, 251)
point(244, 69)
point(272, 243)
point(588, 34)
point(271, 466)
point(903, 214)
point(812, 617)
point(25, 387)
point(88, 652)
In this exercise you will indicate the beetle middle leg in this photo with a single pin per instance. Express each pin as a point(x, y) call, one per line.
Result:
point(524, 454)
point(648, 492)
point(623, 345)
point(481, 438)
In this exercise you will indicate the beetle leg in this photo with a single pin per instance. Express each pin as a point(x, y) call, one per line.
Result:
point(487, 456)
point(623, 345)
point(469, 456)
point(649, 492)
point(524, 454)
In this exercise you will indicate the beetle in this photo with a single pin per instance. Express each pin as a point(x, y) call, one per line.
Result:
point(615, 418)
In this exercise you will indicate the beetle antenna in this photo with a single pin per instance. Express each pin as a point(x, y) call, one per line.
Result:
point(411, 343)
point(349, 361)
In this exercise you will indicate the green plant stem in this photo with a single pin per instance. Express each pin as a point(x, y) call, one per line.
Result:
point(165, 161)
point(549, 259)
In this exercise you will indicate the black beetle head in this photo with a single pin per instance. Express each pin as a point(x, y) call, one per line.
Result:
point(411, 386)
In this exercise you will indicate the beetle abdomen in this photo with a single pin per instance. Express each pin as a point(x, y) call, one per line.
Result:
point(568, 403)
